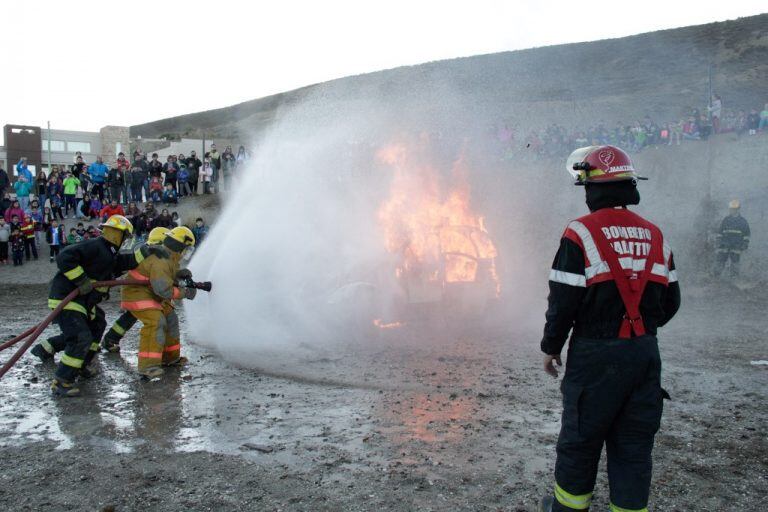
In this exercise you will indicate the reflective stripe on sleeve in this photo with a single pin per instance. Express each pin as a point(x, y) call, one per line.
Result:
point(135, 274)
point(574, 501)
point(177, 293)
point(558, 276)
point(74, 273)
point(673, 276)
point(71, 361)
point(138, 255)
point(660, 270)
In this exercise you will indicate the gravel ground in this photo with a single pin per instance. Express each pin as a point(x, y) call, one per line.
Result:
point(419, 422)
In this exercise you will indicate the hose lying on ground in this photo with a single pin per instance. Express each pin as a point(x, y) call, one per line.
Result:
point(34, 332)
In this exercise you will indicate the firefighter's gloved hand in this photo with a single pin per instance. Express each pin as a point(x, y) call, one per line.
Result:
point(549, 367)
point(189, 292)
point(95, 297)
point(85, 286)
point(184, 274)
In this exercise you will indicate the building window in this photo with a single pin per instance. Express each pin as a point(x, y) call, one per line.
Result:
point(56, 145)
point(83, 147)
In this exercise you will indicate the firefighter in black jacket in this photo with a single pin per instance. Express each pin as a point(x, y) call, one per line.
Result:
point(81, 321)
point(733, 239)
point(612, 284)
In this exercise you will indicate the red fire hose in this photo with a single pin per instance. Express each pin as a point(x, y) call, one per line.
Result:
point(34, 332)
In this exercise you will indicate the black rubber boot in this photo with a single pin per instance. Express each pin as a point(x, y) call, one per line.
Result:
point(64, 389)
point(546, 504)
point(42, 354)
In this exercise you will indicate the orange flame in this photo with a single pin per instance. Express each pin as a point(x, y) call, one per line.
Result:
point(432, 227)
point(381, 325)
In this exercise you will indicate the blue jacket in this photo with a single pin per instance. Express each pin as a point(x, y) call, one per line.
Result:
point(22, 188)
point(24, 171)
point(98, 172)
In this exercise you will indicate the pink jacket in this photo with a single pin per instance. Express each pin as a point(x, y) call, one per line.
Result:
point(10, 212)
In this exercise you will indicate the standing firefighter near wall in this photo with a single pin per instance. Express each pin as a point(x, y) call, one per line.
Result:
point(81, 321)
point(733, 239)
point(613, 283)
point(160, 339)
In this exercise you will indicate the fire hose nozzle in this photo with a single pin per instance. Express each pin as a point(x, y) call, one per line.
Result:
point(202, 285)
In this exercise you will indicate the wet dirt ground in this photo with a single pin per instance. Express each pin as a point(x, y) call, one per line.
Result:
point(466, 422)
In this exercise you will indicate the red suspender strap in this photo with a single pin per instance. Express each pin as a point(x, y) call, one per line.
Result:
point(630, 285)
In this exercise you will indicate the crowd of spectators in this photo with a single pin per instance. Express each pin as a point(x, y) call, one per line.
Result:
point(696, 124)
point(34, 208)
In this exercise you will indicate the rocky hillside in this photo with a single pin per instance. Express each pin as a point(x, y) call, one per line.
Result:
point(657, 74)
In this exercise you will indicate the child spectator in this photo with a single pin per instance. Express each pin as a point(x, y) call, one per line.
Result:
point(94, 208)
point(37, 217)
point(28, 232)
point(14, 211)
point(55, 238)
point(5, 236)
point(80, 230)
point(763, 123)
point(183, 180)
point(175, 219)
point(55, 196)
point(70, 186)
point(206, 174)
point(753, 121)
point(15, 223)
point(200, 231)
point(41, 188)
point(92, 232)
point(171, 169)
point(73, 237)
point(17, 247)
point(23, 188)
point(169, 195)
point(156, 189)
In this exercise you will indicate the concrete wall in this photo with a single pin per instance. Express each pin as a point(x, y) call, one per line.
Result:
point(114, 139)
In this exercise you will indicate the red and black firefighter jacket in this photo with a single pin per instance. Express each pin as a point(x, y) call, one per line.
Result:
point(583, 292)
point(95, 259)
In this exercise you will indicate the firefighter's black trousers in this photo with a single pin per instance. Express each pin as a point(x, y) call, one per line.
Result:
point(79, 339)
point(611, 395)
point(122, 325)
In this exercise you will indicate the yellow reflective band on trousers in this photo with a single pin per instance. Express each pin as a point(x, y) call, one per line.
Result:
point(95, 346)
point(118, 328)
point(74, 273)
point(574, 501)
point(72, 306)
point(71, 361)
point(614, 508)
point(48, 347)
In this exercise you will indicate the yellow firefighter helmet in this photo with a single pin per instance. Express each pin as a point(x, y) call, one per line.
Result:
point(118, 222)
point(156, 236)
point(180, 238)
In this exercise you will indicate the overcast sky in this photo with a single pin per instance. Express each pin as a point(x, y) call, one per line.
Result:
point(85, 64)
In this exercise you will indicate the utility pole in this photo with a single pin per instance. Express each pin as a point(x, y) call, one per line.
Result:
point(49, 148)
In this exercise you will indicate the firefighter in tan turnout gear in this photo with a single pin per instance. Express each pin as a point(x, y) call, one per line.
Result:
point(159, 339)
point(127, 320)
point(613, 283)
